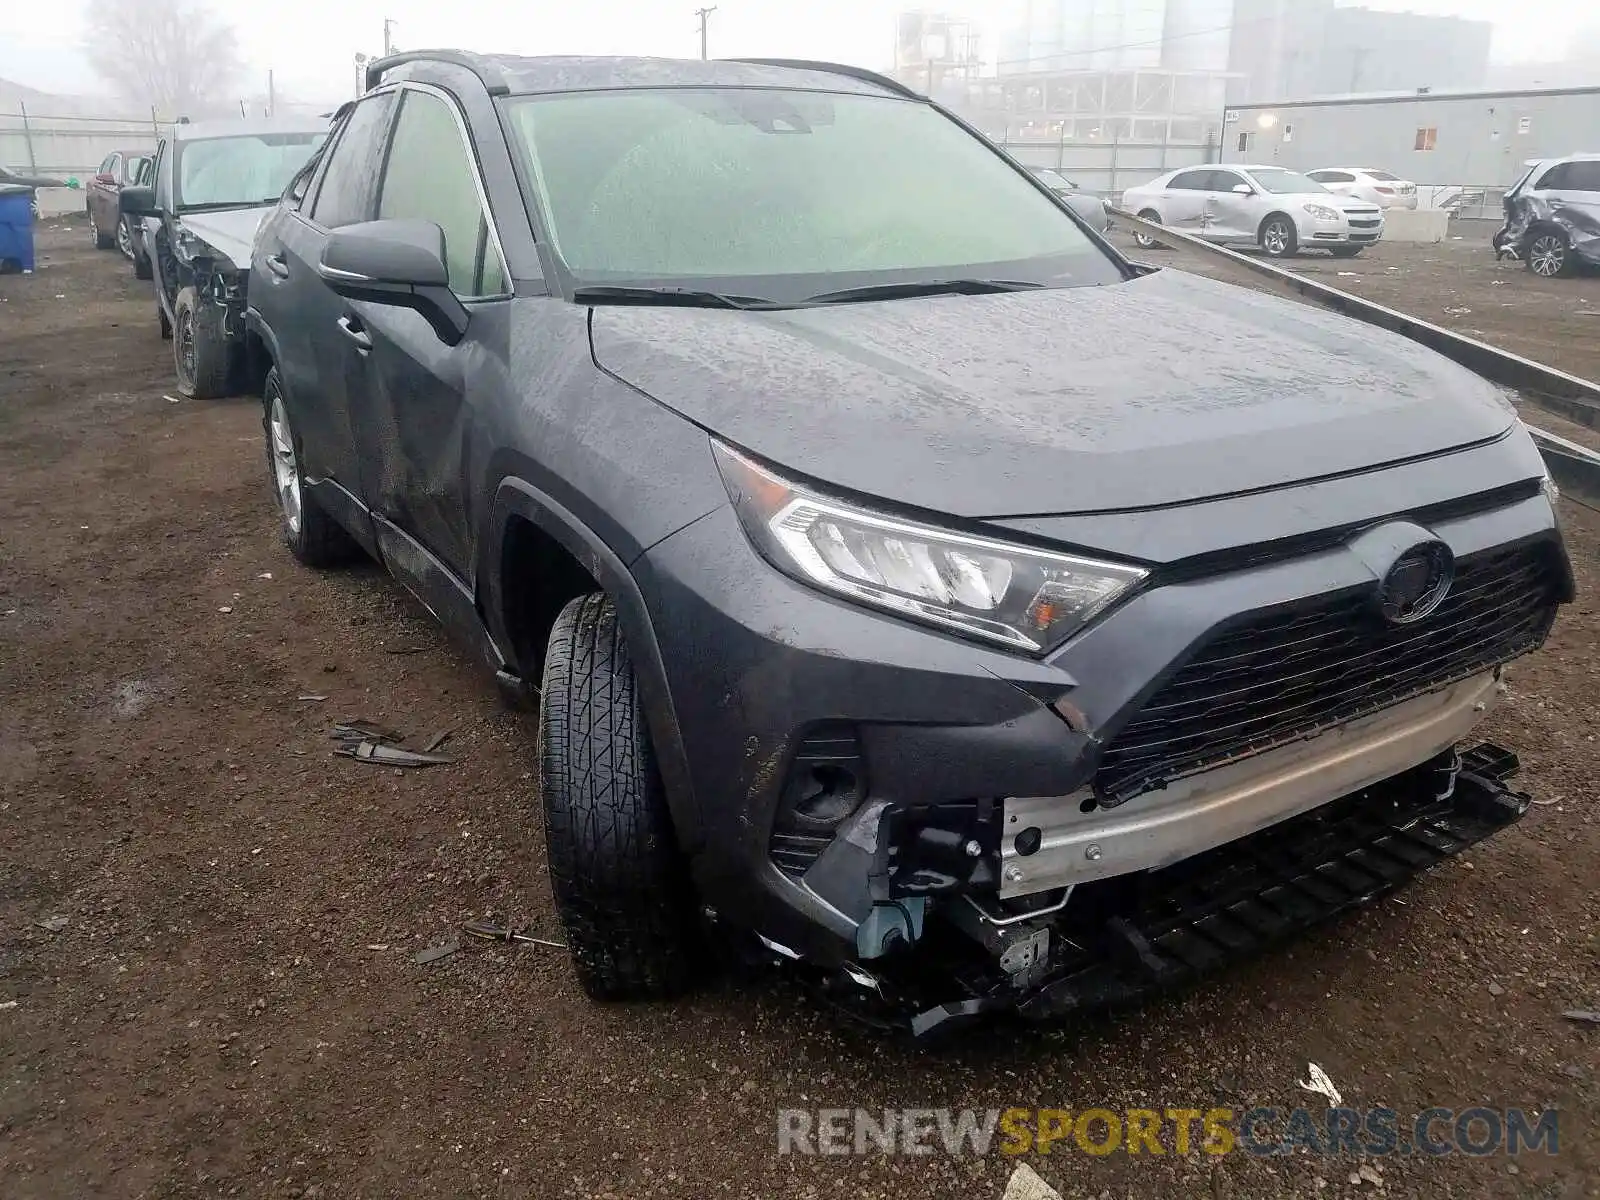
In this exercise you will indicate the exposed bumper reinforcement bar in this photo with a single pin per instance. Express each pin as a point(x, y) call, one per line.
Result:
point(1127, 938)
point(1190, 816)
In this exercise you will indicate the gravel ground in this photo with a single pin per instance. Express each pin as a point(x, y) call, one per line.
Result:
point(207, 922)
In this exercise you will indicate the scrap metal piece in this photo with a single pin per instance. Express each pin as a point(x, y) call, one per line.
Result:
point(500, 933)
point(362, 730)
point(436, 741)
point(435, 953)
point(1584, 1015)
point(383, 755)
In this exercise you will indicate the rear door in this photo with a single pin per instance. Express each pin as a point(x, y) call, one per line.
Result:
point(103, 194)
point(1183, 205)
point(416, 416)
point(317, 361)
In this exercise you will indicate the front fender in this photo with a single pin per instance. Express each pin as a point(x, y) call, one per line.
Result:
point(515, 497)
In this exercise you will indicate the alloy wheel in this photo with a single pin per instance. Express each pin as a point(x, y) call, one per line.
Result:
point(1547, 256)
point(185, 336)
point(124, 238)
point(285, 470)
point(1275, 238)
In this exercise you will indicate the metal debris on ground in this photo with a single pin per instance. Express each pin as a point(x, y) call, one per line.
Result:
point(362, 730)
point(437, 740)
point(385, 755)
point(53, 924)
point(405, 650)
point(435, 953)
point(1025, 1184)
point(312, 697)
point(484, 931)
point(7, 1004)
point(1585, 1015)
point(1321, 1085)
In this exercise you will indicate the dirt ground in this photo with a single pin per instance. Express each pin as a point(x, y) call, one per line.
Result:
point(207, 922)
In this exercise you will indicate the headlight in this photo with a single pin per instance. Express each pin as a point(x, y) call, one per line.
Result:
point(1020, 597)
point(1322, 212)
point(188, 247)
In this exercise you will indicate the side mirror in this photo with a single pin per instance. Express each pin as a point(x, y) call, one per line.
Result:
point(105, 177)
point(399, 263)
point(1243, 189)
point(137, 202)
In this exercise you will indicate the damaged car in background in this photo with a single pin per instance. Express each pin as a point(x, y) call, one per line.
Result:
point(1553, 216)
point(914, 591)
point(213, 181)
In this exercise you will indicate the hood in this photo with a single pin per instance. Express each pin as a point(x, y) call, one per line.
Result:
point(1163, 390)
point(230, 230)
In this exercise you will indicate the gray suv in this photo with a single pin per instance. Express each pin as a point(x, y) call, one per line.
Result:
point(911, 588)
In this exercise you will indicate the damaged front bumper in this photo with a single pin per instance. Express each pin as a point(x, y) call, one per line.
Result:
point(1123, 939)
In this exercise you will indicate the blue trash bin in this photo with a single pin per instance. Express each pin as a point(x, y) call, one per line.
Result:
point(16, 229)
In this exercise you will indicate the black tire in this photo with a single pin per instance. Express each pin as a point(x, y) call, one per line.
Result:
point(1278, 238)
point(102, 241)
point(200, 350)
point(1345, 251)
point(166, 325)
point(1144, 239)
point(1548, 254)
point(316, 539)
point(620, 882)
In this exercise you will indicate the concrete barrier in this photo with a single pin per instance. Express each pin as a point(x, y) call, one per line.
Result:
point(1415, 225)
point(55, 201)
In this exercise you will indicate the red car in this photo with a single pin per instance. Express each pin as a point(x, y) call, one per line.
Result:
point(106, 222)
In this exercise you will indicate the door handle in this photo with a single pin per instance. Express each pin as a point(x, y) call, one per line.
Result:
point(277, 266)
point(355, 333)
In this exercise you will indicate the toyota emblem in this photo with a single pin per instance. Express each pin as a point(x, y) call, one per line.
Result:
point(1417, 583)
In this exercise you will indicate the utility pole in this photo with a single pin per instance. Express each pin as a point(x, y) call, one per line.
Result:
point(705, 21)
point(388, 35)
point(272, 96)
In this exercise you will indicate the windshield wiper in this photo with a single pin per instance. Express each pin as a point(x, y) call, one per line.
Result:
point(928, 287)
point(679, 297)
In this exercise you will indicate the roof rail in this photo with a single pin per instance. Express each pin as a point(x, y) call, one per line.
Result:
point(857, 73)
point(487, 73)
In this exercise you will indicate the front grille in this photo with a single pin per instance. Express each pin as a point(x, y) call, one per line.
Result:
point(1289, 674)
point(1363, 223)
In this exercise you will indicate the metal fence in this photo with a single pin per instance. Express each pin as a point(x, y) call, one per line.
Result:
point(1107, 168)
point(50, 144)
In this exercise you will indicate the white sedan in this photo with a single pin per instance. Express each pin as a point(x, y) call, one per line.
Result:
point(1281, 211)
point(1369, 184)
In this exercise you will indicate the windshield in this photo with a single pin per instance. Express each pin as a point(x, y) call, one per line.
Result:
point(1052, 178)
point(1286, 183)
point(235, 171)
point(788, 193)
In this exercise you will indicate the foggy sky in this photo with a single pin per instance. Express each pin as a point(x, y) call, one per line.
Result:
point(310, 43)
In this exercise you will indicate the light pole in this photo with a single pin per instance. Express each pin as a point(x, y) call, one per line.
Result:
point(705, 21)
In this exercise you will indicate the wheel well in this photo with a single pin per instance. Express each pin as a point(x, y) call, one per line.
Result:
point(1262, 228)
point(257, 362)
point(538, 576)
point(1150, 214)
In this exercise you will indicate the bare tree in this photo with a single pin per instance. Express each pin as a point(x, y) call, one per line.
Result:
point(174, 54)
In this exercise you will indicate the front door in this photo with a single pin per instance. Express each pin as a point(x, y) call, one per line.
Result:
point(1183, 204)
point(415, 419)
point(1230, 214)
point(319, 363)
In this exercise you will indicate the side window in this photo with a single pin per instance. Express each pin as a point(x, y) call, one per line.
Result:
point(106, 164)
point(1555, 177)
point(431, 177)
point(1332, 177)
point(1190, 181)
point(1583, 176)
point(345, 196)
point(158, 173)
point(1223, 181)
point(114, 169)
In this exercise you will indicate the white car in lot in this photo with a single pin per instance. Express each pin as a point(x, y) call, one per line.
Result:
point(1369, 184)
point(1281, 211)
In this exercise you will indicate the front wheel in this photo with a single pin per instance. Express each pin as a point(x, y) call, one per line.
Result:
point(1145, 240)
point(621, 886)
point(1549, 254)
point(1278, 237)
point(200, 349)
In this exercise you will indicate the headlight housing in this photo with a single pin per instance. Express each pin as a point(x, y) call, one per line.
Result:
point(188, 247)
point(1017, 596)
point(1322, 212)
